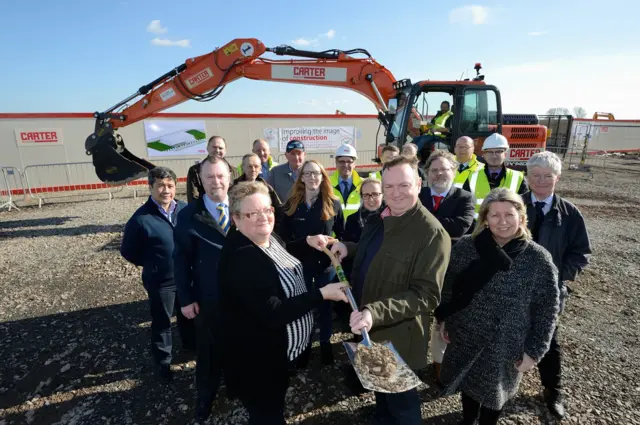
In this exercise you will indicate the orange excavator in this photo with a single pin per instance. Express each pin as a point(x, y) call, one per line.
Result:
point(203, 78)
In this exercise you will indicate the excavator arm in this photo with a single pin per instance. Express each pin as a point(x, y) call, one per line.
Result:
point(204, 77)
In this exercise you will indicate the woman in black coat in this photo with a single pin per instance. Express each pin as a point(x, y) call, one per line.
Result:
point(371, 196)
point(265, 305)
point(313, 209)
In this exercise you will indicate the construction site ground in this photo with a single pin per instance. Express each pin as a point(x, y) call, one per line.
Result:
point(74, 329)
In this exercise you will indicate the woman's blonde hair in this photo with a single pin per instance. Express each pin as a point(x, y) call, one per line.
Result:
point(500, 194)
point(242, 190)
point(326, 195)
point(369, 180)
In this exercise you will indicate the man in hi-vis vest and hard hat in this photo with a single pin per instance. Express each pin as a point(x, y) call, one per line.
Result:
point(494, 173)
point(345, 180)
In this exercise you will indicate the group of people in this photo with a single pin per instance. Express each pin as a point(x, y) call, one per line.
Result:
point(461, 257)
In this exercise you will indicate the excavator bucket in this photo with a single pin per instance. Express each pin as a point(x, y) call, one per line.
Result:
point(113, 163)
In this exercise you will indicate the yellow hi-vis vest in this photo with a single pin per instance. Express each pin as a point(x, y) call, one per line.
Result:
point(479, 184)
point(376, 175)
point(440, 122)
point(461, 177)
point(352, 203)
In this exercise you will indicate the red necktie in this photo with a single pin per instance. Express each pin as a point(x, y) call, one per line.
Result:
point(436, 202)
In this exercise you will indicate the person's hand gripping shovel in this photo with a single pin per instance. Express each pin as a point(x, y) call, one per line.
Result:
point(378, 365)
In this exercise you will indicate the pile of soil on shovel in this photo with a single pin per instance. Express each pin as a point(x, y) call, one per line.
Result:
point(379, 365)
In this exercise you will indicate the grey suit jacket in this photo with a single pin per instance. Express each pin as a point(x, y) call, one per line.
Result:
point(281, 179)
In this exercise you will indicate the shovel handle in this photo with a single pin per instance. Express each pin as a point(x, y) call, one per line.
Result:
point(343, 278)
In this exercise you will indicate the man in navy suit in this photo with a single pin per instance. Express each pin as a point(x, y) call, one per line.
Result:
point(148, 242)
point(453, 207)
point(199, 237)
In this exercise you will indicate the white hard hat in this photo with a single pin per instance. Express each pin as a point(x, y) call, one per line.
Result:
point(346, 150)
point(495, 141)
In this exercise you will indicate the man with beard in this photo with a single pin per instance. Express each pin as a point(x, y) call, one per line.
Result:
point(454, 209)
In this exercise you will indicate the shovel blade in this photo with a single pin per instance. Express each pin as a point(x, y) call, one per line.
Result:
point(410, 379)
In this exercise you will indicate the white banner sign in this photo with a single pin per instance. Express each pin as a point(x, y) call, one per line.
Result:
point(317, 138)
point(38, 136)
point(175, 138)
point(307, 72)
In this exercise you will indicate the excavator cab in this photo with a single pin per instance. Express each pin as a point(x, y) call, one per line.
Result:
point(476, 107)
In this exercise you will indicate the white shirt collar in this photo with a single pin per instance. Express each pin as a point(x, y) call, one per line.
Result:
point(211, 205)
point(547, 200)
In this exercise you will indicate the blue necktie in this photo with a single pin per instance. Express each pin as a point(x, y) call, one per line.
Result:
point(345, 191)
point(223, 220)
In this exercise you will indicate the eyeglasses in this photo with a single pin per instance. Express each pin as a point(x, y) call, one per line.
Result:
point(312, 173)
point(494, 152)
point(345, 162)
point(372, 195)
point(253, 215)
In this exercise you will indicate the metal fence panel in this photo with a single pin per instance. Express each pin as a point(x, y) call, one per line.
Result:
point(63, 180)
point(11, 187)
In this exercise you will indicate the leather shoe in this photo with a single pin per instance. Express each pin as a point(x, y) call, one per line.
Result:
point(326, 353)
point(203, 408)
point(164, 374)
point(555, 404)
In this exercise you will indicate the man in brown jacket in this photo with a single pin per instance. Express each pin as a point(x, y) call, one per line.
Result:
point(216, 146)
point(397, 276)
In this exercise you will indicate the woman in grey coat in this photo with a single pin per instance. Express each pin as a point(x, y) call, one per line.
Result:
point(500, 302)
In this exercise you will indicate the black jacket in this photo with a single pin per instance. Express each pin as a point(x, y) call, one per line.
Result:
point(564, 234)
point(255, 311)
point(147, 241)
point(455, 212)
point(198, 242)
point(356, 221)
point(305, 222)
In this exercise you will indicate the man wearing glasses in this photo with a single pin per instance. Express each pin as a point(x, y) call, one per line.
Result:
point(345, 180)
point(494, 173)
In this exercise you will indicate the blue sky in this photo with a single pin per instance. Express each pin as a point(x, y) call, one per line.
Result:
point(82, 56)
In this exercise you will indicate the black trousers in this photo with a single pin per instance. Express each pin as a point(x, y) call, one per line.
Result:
point(209, 355)
point(267, 410)
point(398, 408)
point(550, 367)
point(163, 303)
point(472, 410)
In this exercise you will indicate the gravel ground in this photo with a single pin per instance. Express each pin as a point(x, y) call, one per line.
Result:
point(75, 326)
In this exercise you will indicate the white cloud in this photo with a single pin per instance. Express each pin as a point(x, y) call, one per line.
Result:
point(164, 42)
point(156, 28)
point(536, 33)
point(470, 14)
point(537, 86)
point(329, 34)
point(304, 41)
